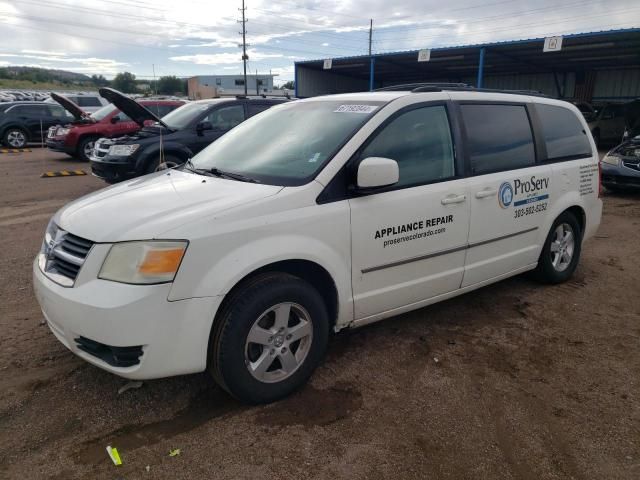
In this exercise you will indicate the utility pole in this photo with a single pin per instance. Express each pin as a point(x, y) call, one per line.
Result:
point(245, 57)
point(370, 34)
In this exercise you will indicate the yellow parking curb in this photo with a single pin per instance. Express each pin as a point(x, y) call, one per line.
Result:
point(14, 150)
point(63, 173)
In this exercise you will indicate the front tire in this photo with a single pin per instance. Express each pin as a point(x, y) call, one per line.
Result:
point(15, 138)
point(269, 338)
point(169, 161)
point(85, 148)
point(561, 250)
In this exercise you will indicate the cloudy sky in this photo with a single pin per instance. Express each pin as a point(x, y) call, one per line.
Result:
point(194, 37)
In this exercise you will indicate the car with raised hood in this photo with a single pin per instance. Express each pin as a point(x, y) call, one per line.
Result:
point(172, 140)
point(621, 165)
point(78, 137)
point(25, 122)
point(315, 216)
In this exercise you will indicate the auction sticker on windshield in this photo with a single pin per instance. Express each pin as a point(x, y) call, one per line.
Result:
point(355, 109)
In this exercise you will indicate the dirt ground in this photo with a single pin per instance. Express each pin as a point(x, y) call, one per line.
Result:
point(516, 380)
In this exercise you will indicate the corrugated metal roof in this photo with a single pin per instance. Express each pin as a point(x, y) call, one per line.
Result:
point(479, 45)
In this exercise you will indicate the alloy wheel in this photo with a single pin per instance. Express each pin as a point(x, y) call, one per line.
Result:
point(278, 342)
point(16, 139)
point(562, 247)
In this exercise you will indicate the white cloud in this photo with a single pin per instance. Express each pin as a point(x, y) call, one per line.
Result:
point(325, 44)
point(224, 58)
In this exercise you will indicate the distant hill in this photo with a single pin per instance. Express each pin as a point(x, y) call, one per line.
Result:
point(33, 77)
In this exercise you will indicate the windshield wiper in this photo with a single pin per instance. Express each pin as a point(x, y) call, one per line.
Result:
point(232, 175)
point(216, 172)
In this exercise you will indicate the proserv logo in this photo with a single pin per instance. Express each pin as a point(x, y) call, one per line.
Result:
point(505, 195)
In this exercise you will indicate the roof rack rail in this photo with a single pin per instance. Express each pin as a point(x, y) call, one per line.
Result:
point(454, 87)
point(428, 87)
point(262, 95)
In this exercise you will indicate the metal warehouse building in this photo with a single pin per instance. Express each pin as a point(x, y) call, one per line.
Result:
point(597, 66)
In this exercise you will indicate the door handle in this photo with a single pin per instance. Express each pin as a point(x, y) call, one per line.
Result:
point(449, 199)
point(487, 192)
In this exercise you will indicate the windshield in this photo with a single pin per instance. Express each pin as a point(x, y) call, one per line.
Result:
point(184, 115)
point(103, 112)
point(287, 144)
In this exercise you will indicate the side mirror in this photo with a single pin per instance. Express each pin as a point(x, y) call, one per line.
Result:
point(202, 126)
point(115, 119)
point(377, 172)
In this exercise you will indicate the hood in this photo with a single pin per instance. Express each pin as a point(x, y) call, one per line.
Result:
point(129, 106)
point(144, 208)
point(72, 108)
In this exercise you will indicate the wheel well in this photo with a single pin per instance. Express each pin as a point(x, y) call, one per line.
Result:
point(309, 271)
point(16, 127)
point(578, 212)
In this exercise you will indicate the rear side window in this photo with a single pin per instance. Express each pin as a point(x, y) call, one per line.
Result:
point(89, 102)
point(420, 141)
point(563, 133)
point(499, 137)
point(254, 108)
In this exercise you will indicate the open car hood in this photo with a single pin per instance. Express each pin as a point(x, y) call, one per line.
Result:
point(129, 106)
point(72, 108)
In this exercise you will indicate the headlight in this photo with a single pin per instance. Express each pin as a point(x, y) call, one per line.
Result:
point(144, 262)
point(49, 236)
point(611, 159)
point(123, 150)
point(62, 131)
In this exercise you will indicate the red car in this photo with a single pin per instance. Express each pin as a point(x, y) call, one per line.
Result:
point(78, 137)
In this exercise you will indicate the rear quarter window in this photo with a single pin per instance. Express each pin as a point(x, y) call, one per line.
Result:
point(563, 134)
point(499, 137)
point(89, 102)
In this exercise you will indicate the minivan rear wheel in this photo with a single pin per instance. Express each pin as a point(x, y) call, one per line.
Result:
point(269, 337)
point(561, 250)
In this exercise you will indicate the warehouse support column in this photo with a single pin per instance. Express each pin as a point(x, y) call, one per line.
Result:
point(372, 62)
point(480, 68)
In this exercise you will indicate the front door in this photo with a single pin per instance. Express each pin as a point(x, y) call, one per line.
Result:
point(408, 241)
point(509, 193)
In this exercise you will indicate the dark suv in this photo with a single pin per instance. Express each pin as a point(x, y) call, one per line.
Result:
point(23, 122)
point(170, 141)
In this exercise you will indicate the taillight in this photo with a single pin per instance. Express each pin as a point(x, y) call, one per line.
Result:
point(599, 179)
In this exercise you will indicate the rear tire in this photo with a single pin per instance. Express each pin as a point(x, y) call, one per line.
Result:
point(269, 337)
point(15, 138)
point(561, 250)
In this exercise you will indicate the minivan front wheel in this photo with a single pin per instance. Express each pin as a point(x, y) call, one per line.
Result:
point(269, 337)
point(561, 251)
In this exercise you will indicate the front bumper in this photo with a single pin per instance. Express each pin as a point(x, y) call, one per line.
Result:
point(113, 171)
point(621, 175)
point(100, 320)
point(59, 146)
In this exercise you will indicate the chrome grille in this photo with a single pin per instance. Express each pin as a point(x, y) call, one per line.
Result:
point(52, 132)
point(63, 255)
point(633, 165)
point(101, 148)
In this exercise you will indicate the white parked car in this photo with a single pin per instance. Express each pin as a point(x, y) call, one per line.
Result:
point(315, 216)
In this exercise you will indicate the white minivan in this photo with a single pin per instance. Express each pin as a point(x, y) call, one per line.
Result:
point(314, 216)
